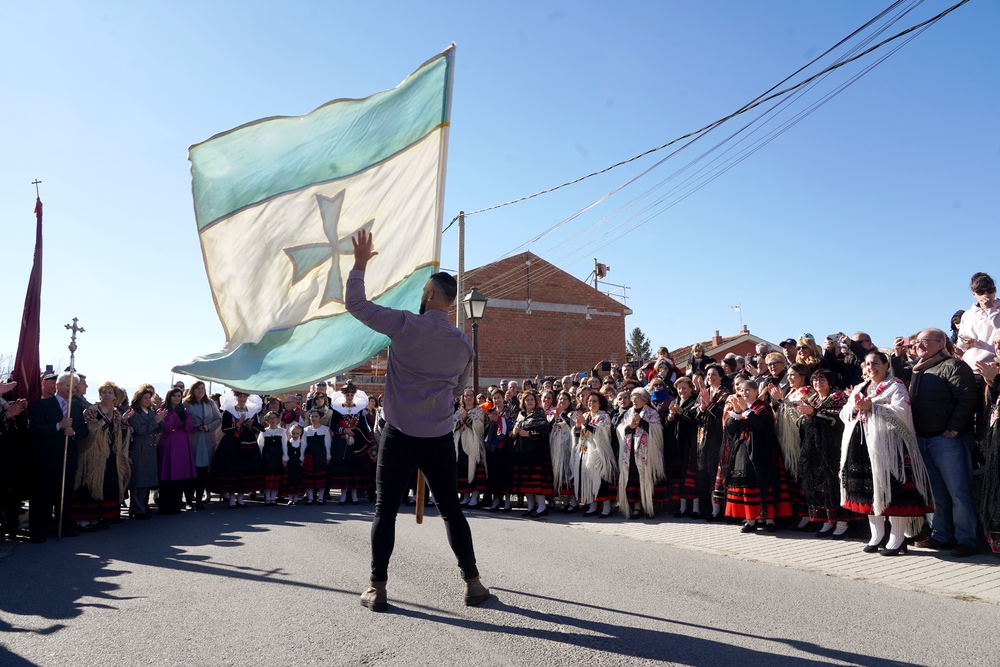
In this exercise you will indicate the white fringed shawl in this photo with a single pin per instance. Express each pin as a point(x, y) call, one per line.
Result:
point(593, 456)
point(469, 436)
point(888, 430)
point(561, 451)
point(648, 448)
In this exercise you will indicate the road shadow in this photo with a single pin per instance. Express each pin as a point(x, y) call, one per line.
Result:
point(627, 640)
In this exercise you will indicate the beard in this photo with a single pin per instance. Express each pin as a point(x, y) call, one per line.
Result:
point(423, 306)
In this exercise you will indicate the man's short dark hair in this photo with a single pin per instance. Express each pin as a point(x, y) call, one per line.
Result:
point(981, 283)
point(447, 284)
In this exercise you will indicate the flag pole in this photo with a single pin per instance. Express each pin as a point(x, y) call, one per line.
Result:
point(69, 413)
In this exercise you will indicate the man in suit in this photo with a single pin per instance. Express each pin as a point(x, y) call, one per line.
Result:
point(50, 421)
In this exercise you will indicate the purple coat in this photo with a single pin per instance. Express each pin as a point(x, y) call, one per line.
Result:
point(174, 455)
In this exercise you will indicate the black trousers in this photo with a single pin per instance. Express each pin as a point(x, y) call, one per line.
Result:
point(398, 455)
point(46, 490)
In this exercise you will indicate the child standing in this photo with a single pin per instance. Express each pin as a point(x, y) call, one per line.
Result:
point(292, 460)
point(272, 451)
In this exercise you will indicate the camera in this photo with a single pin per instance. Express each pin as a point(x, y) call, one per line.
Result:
point(605, 366)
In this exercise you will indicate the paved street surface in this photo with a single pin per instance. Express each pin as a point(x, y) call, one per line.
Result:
point(279, 586)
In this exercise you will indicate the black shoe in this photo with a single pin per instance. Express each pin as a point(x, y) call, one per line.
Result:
point(571, 509)
point(680, 515)
point(321, 501)
point(602, 515)
point(771, 527)
point(749, 527)
point(870, 548)
point(310, 502)
point(507, 510)
point(962, 551)
point(530, 514)
point(894, 552)
point(695, 515)
point(539, 515)
point(590, 512)
point(712, 518)
point(635, 515)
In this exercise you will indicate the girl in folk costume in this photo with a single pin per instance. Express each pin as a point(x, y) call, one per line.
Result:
point(753, 472)
point(237, 468)
point(786, 410)
point(292, 484)
point(881, 471)
point(272, 443)
point(679, 433)
point(205, 416)
point(103, 466)
point(499, 419)
point(561, 450)
point(176, 462)
point(145, 426)
point(532, 462)
point(318, 440)
point(350, 468)
point(594, 464)
point(819, 461)
point(703, 464)
point(719, 488)
point(470, 452)
point(640, 460)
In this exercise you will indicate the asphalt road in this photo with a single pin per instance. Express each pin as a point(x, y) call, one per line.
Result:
point(279, 586)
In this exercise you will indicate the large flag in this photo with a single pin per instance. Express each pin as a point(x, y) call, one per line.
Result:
point(27, 361)
point(277, 202)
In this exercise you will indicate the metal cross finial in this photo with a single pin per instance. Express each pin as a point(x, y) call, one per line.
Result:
point(35, 183)
point(75, 329)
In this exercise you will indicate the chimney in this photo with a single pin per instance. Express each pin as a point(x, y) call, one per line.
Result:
point(745, 330)
point(716, 339)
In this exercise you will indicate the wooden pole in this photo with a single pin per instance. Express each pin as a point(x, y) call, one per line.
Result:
point(69, 413)
point(420, 496)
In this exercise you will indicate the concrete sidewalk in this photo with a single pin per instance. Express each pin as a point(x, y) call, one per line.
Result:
point(976, 578)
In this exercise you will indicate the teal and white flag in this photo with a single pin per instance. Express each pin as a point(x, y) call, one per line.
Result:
point(277, 202)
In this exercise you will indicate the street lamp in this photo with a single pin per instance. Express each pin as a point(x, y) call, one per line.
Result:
point(475, 306)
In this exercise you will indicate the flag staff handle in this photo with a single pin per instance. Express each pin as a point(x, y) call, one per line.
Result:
point(69, 413)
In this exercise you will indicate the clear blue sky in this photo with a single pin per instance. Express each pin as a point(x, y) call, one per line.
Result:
point(871, 213)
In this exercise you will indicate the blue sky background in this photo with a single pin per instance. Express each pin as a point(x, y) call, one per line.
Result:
point(871, 213)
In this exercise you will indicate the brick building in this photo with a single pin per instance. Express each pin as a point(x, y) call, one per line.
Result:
point(717, 347)
point(540, 320)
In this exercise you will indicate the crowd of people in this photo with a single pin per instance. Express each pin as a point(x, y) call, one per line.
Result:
point(833, 436)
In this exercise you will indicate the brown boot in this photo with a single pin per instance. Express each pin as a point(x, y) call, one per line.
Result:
point(375, 597)
point(475, 592)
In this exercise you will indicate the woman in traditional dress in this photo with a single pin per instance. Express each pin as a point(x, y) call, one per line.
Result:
point(499, 419)
point(819, 461)
point(753, 473)
point(272, 443)
point(990, 506)
point(207, 419)
point(785, 404)
point(881, 471)
point(561, 450)
point(640, 459)
point(470, 452)
point(175, 458)
point(318, 440)
point(103, 466)
point(145, 425)
point(350, 468)
point(293, 481)
point(594, 462)
point(679, 433)
point(548, 398)
point(236, 469)
point(532, 460)
point(703, 465)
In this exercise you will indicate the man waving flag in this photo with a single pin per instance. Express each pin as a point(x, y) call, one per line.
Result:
point(277, 202)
